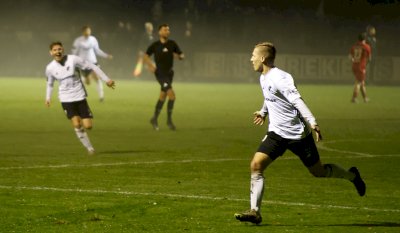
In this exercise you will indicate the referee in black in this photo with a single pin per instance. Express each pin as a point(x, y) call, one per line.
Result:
point(164, 51)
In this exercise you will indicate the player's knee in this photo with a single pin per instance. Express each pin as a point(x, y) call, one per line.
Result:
point(255, 165)
point(88, 127)
point(76, 125)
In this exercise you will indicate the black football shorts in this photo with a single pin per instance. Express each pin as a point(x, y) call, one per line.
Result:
point(274, 146)
point(79, 108)
point(165, 78)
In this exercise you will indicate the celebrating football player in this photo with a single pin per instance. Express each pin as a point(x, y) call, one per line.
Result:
point(71, 92)
point(290, 127)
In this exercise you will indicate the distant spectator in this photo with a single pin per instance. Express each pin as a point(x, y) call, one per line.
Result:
point(371, 41)
point(146, 39)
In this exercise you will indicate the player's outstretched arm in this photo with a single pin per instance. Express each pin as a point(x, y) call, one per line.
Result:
point(49, 88)
point(179, 56)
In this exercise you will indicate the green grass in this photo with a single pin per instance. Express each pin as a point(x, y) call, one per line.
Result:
point(195, 179)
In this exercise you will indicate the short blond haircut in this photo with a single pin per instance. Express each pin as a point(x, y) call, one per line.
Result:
point(268, 49)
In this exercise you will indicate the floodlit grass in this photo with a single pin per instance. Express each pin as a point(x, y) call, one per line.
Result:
point(194, 179)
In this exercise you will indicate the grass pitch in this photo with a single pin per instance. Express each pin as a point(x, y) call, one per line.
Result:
point(194, 179)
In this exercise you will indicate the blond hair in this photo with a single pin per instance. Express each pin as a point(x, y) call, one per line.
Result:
point(268, 49)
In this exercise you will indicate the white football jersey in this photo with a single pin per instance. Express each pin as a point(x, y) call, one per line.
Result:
point(87, 49)
point(279, 95)
point(70, 88)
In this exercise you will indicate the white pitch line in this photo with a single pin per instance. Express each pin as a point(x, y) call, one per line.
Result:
point(320, 145)
point(359, 154)
point(129, 193)
point(120, 163)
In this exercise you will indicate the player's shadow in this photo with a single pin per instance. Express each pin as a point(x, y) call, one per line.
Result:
point(370, 224)
point(121, 152)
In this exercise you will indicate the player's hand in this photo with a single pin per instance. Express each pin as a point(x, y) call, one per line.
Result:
point(258, 118)
point(47, 103)
point(317, 131)
point(110, 56)
point(111, 84)
point(181, 56)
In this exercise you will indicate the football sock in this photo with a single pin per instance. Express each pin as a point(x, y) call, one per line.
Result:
point(170, 106)
point(84, 138)
point(159, 106)
point(100, 89)
point(256, 191)
point(335, 171)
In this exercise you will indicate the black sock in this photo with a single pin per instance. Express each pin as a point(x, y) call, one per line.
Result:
point(170, 107)
point(159, 106)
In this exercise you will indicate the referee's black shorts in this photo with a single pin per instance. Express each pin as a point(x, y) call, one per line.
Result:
point(78, 108)
point(274, 146)
point(165, 78)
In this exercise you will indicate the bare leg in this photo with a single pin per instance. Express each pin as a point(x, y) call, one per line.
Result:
point(259, 163)
point(80, 131)
point(171, 94)
point(355, 91)
point(364, 91)
point(87, 123)
point(99, 85)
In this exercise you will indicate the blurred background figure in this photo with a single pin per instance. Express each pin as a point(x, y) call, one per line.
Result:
point(371, 41)
point(146, 39)
point(87, 48)
point(360, 54)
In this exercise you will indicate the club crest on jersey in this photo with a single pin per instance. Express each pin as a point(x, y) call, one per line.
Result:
point(165, 50)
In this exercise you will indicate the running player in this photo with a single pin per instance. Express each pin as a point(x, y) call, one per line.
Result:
point(87, 47)
point(360, 54)
point(164, 51)
point(71, 92)
point(290, 124)
point(146, 39)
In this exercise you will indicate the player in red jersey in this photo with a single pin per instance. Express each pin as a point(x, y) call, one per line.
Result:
point(360, 55)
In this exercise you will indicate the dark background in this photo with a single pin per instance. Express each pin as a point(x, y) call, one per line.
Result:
point(317, 27)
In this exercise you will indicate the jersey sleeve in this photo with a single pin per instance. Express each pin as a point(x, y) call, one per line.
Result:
point(50, 84)
point(305, 112)
point(97, 49)
point(176, 48)
point(84, 65)
point(264, 110)
point(150, 50)
point(287, 88)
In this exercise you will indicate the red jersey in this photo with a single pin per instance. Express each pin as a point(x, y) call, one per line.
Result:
point(360, 52)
